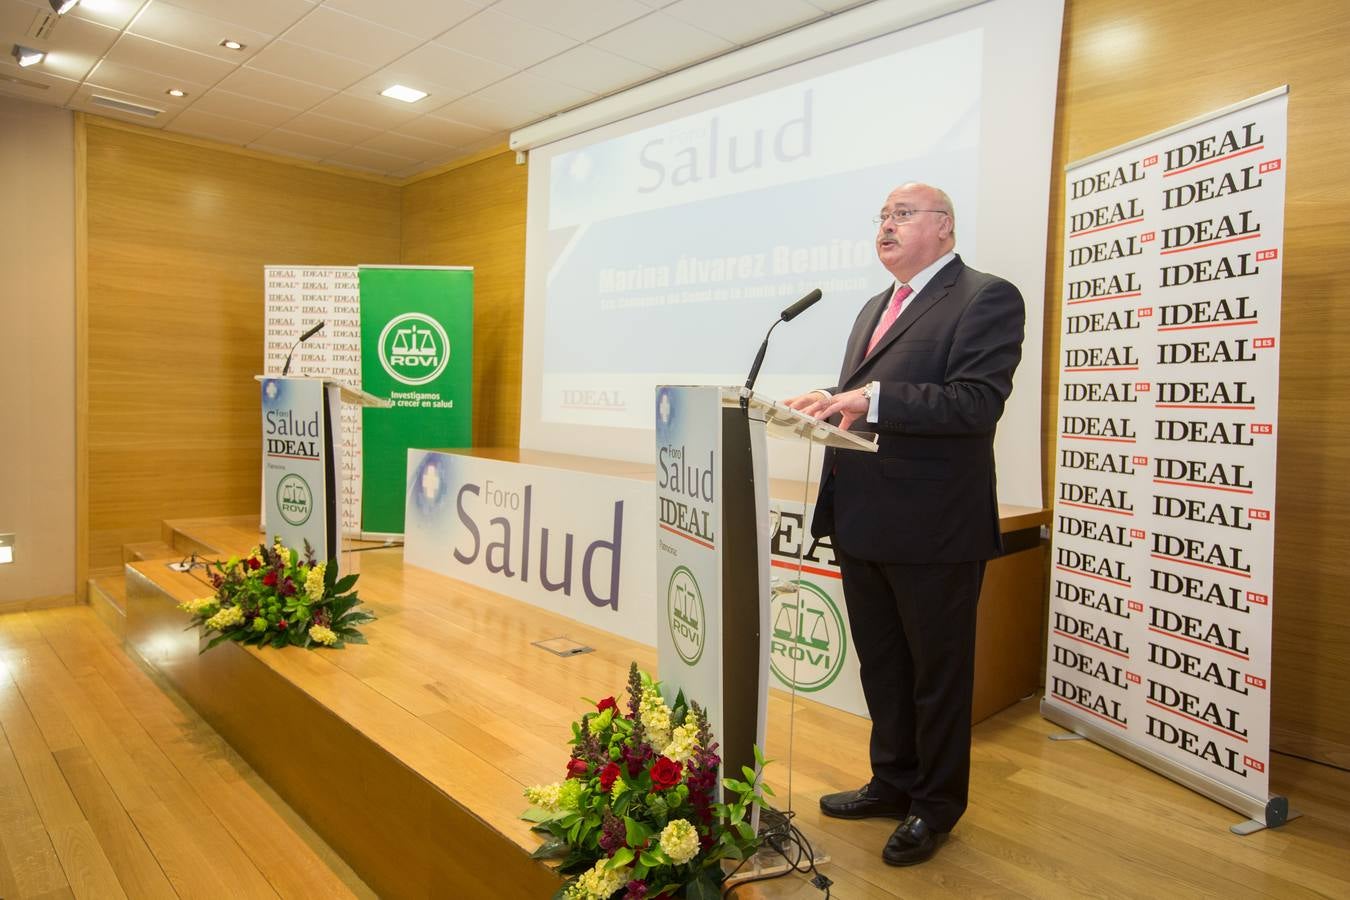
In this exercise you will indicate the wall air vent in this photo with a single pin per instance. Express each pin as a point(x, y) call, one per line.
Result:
point(22, 82)
point(42, 26)
point(124, 106)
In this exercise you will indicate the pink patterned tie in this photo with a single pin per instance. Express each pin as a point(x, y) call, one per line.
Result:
point(888, 318)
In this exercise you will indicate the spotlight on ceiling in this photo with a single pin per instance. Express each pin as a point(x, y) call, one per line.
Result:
point(27, 56)
point(230, 44)
point(61, 7)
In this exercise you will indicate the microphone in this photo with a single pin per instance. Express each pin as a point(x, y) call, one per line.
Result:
point(304, 337)
point(786, 315)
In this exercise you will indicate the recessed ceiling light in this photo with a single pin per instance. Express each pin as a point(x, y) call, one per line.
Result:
point(176, 92)
point(231, 45)
point(61, 7)
point(27, 56)
point(406, 94)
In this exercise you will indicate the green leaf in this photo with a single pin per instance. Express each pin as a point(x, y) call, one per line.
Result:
point(651, 860)
point(635, 833)
point(355, 637)
point(746, 831)
point(536, 814)
point(553, 848)
point(702, 887)
point(749, 774)
point(622, 857)
point(344, 584)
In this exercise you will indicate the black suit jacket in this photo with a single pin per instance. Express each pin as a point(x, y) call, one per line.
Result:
point(946, 366)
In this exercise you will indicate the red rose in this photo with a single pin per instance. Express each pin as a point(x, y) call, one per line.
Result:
point(607, 776)
point(607, 703)
point(254, 562)
point(281, 626)
point(665, 773)
point(577, 768)
point(270, 579)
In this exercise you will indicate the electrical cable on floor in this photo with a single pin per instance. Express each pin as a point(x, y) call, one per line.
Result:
point(782, 836)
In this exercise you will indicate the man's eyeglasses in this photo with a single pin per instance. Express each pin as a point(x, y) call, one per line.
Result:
point(903, 214)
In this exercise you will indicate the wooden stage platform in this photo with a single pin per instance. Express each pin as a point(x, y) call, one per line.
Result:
point(408, 755)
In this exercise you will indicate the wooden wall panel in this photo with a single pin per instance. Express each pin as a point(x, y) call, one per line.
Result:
point(475, 216)
point(1131, 69)
point(178, 234)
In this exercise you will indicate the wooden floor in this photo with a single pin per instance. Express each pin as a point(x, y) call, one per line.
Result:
point(109, 786)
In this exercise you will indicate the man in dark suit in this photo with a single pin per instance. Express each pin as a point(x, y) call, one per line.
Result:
point(928, 367)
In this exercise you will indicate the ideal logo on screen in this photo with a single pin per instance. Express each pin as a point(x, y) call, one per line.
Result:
point(809, 642)
point(414, 348)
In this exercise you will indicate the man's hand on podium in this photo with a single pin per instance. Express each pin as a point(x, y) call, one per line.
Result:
point(851, 404)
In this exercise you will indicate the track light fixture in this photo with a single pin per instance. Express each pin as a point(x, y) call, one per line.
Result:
point(61, 7)
point(27, 56)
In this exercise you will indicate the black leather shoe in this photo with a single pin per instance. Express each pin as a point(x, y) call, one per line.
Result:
point(863, 803)
point(912, 842)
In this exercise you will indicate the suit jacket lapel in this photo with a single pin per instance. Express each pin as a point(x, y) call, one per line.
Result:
point(930, 296)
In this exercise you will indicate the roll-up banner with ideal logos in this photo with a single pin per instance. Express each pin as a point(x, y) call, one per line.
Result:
point(416, 351)
point(1161, 588)
point(300, 462)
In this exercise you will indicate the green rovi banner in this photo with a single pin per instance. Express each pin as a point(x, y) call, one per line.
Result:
point(416, 351)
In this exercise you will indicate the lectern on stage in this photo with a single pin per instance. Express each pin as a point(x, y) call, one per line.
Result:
point(713, 550)
point(302, 460)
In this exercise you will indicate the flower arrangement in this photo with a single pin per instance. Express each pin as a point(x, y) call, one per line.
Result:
point(274, 597)
point(637, 817)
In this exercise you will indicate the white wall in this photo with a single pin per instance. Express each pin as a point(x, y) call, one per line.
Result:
point(37, 350)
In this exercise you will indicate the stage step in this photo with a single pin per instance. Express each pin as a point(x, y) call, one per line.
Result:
point(108, 597)
point(149, 550)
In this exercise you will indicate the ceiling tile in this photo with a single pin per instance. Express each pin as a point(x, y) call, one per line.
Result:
point(293, 144)
point(374, 160)
point(17, 19)
point(65, 64)
point(237, 106)
point(83, 101)
point(513, 42)
point(131, 80)
point(274, 88)
point(421, 18)
point(662, 42)
point(267, 16)
point(410, 147)
point(530, 97)
point(379, 112)
point(443, 131)
point(416, 170)
point(113, 13)
point(443, 73)
point(331, 129)
point(194, 31)
point(40, 87)
point(745, 21)
point(345, 35)
point(153, 56)
point(218, 128)
point(314, 66)
point(485, 114)
point(592, 69)
point(577, 19)
point(77, 36)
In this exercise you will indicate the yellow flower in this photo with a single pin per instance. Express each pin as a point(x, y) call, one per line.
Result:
point(199, 607)
point(679, 840)
point(321, 635)
point(314, 582)
point(599, 882)
point(226, 618)
point(655, 716)
point(545, 796)
point(683, 743)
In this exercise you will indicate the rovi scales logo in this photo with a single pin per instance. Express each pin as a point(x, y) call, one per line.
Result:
point(809, 643)
point(414, 348)
point(295, 501)
point(684, 615)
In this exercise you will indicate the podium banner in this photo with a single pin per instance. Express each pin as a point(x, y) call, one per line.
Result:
point(1163, 568)
point(417, 351)
point(299, 466)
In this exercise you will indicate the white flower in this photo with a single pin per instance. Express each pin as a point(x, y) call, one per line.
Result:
point(226, 618)
point(321, 635)
point(655, 716)
point(679, 840)
point(545, 796)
